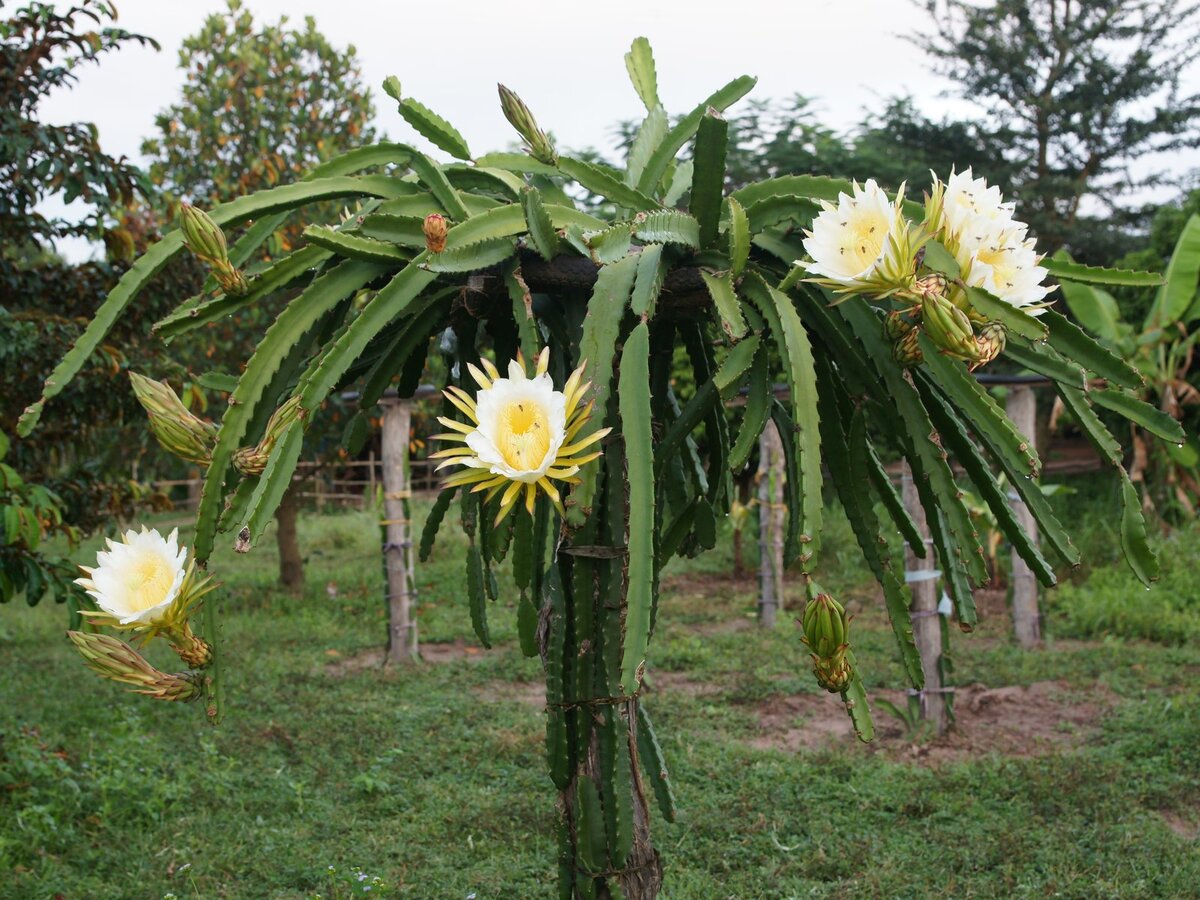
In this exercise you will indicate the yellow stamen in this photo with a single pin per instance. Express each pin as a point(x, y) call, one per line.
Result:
point(523, 434)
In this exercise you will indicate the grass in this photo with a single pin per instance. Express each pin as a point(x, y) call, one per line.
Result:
point(431, 779)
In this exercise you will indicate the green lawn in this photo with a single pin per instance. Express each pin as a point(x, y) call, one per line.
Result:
point(432, 779)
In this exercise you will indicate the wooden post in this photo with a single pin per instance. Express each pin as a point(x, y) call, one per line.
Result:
point(927, 626)
point(770, 525)
point(1027, 623)
point(402, 627)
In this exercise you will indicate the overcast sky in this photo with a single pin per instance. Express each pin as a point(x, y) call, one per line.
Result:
point(565, 59)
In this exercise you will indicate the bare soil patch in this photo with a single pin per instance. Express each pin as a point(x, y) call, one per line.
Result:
point(1044, 718)
point(339, 666)
point(1189, 830)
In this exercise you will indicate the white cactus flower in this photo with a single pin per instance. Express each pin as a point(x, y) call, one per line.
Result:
point(137, 579)
point(522, 435)
point(863, 244)
point(991, 246)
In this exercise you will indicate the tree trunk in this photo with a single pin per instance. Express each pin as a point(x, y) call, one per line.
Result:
point(397, 551)
point(927, 626)
point(770, 524)
point(291, 565)
point(1022, 409)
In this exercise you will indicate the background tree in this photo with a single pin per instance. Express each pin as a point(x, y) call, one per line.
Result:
point(83, 455)
point(261, 105)
point(41, 50)
point(1084, 90)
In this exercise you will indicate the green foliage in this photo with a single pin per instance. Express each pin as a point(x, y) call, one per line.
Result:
point(84, 456)
point(261, 105)
point(29, 515)
point(1082, 89)
point(1106, 604)
point(42, 49)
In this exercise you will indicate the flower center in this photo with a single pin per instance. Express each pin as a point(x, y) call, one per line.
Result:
point(149, 580)
point(1003, 263)
point(523, 436)
point(861, 240)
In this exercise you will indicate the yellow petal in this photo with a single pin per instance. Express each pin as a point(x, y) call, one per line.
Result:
point(469, 409)
point(530, 497)
point(543, 361)
point(571, 449)
point(482, 380)
point(456, 426)
point(453, 451)
point(492, 371)
point(551, 490)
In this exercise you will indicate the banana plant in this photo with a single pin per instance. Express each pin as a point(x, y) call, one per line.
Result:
point(1163, 350)
point(494, 261)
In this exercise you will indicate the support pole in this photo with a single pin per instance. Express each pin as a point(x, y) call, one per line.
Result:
point(402, 626)
point(927, 626)
point(1027, 623)
point(770, 524)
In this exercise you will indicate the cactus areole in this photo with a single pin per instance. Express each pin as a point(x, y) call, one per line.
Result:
point(494, 259)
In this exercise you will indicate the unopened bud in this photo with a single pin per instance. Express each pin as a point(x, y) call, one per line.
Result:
point(907, 350)
point(435, 227)
point(206, 240)
point(202, 235)
point(116, 660)
point(990, 343)
point(253, 460)
point(825, 626)
point(948, 327)
point(897, 324)
point(177, 429)
point(540, 146)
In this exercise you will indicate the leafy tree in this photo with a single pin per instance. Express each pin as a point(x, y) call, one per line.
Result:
point(1082, 89)
point(41, 50)
point(899, 143)
point(261, 105)
point(74, 476)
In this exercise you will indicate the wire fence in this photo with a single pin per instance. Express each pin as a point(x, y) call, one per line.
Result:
point(348, 484)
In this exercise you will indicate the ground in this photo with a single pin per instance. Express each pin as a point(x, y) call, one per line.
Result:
point(1072, 770)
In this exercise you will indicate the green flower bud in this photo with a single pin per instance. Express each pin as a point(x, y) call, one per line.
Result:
point(253, 460)
point(825, 626)
point(897, 324)
point(177, 429)
point(540, 146)
point(205, 239)
point(114, 659)
point(990, 342)
point(907, 350)
point(948, 327)
point(202, 235)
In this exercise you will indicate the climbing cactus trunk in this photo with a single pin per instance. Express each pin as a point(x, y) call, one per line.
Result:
point(603, 755)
